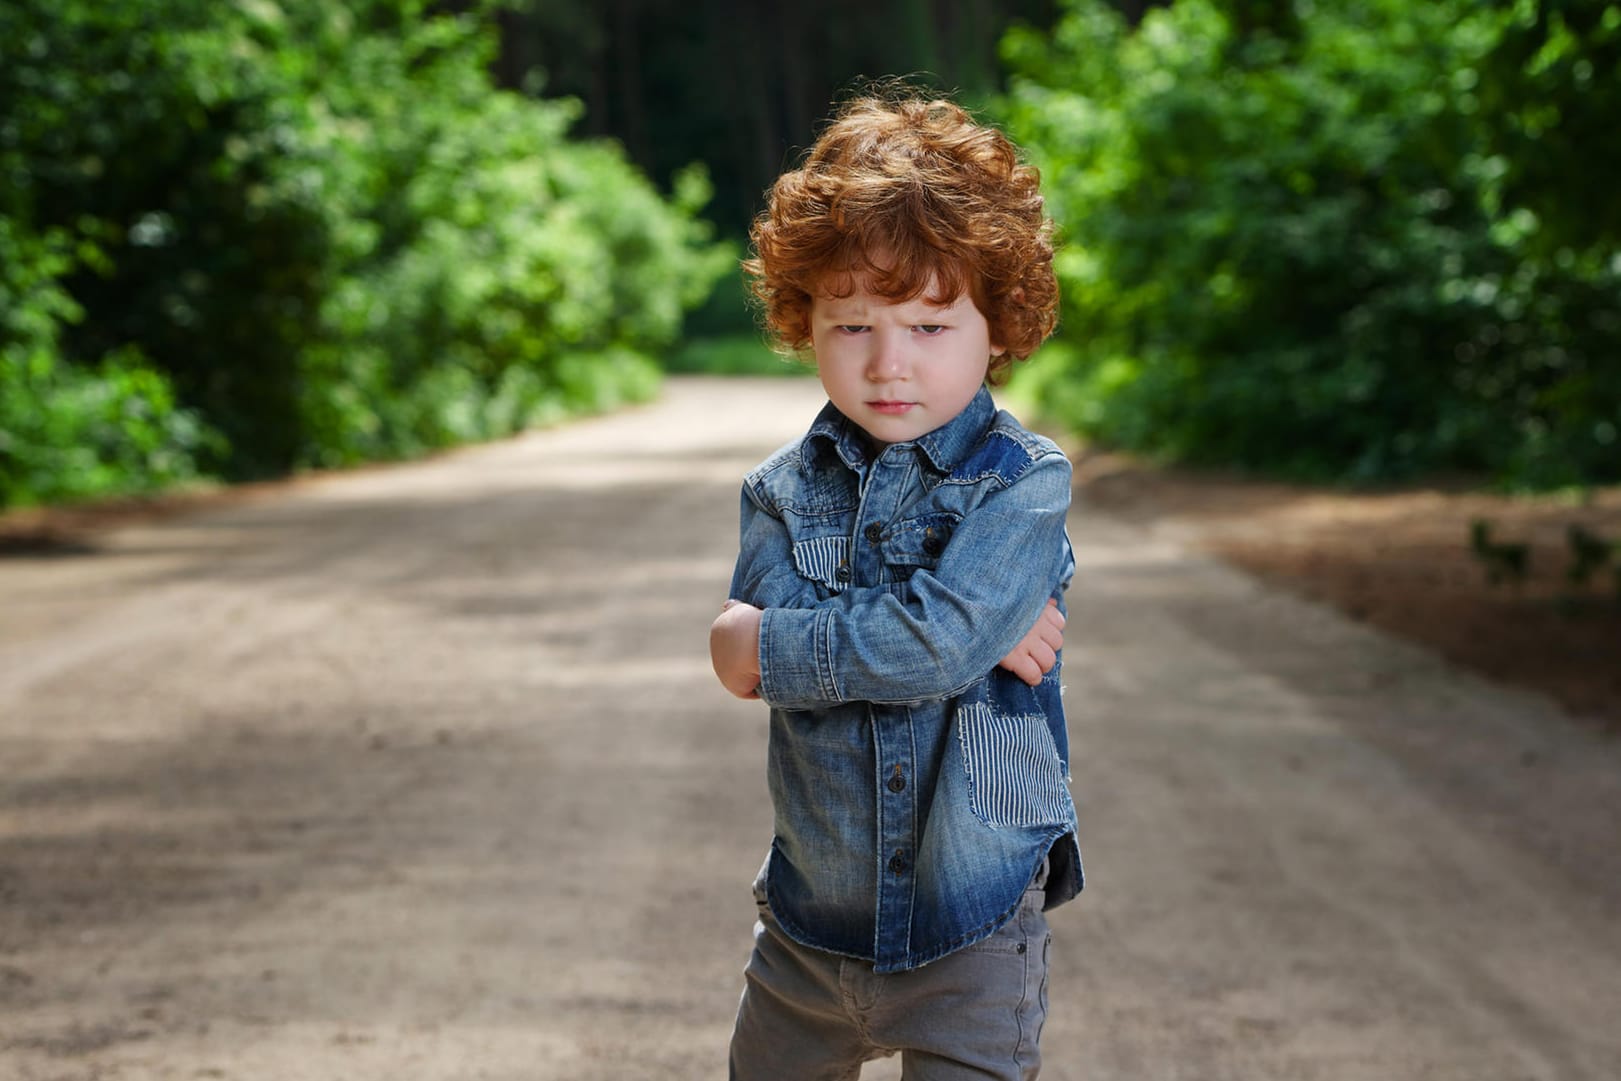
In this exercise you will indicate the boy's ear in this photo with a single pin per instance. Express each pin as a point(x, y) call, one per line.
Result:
point(997, 350)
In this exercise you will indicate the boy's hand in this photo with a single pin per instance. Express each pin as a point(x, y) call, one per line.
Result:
point(734, 648)
point(1035, 656)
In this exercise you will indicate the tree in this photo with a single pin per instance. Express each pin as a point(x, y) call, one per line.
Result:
point(739, 84)
point(317, 229)
point(1298, 247)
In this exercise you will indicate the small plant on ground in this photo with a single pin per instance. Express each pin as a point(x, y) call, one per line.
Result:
point(1504, 561)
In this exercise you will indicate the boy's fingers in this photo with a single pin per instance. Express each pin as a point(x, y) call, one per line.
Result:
point(1052, 637)
point(1045, 657)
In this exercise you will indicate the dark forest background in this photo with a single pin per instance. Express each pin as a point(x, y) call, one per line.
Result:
point(743, 85)
point(1361, 242)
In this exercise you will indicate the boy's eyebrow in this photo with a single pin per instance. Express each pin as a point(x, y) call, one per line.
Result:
point(851, 306)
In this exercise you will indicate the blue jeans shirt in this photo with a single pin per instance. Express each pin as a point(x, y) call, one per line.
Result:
point(917, 787)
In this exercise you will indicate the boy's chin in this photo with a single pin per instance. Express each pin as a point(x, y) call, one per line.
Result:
point(881, 435)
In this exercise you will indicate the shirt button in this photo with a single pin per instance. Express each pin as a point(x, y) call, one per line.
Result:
point(932, 543)
point(897, 862)
point(875, 532)
point(897, 783)
point(842, 573)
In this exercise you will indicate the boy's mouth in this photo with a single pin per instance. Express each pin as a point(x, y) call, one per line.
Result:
point(890, 408)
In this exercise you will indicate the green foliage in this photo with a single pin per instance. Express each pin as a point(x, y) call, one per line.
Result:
point(325, 229)
point(1548, 94)
point(728, 311)
point(1590, 553)
point(1296, 245)
point(734, 354)
point(1504, 561)
point(67, 432)
point(1588, 556)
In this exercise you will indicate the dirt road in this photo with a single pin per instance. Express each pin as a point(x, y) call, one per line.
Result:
point(421, 773)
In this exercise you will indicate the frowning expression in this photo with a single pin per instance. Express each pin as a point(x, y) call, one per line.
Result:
point(899, 369)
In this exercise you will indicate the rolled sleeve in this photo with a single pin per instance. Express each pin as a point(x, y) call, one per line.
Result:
point(796, 665)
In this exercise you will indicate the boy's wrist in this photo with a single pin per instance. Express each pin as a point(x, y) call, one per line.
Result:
point(734, 647)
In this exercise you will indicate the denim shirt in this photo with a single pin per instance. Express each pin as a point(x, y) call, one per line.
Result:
point(917, 788)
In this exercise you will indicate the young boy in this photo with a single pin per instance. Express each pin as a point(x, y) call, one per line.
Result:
point(897, 603)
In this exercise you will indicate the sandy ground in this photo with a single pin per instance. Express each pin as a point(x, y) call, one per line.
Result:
point(1402, 560)
point(421, 773)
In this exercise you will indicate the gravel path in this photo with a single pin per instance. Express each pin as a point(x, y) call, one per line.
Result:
point(420, 772)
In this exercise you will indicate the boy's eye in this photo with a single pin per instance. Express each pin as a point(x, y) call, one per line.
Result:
point(852, 328)
point(929, 328)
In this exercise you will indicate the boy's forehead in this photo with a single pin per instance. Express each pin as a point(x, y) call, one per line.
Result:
point(862, 300)
point(858, 288)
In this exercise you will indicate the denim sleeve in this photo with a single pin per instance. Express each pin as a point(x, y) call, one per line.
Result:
point(764, 575)
point(954, 623)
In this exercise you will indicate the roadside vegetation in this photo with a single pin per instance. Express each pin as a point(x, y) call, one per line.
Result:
point(1358, 243)
point(1351, 242)
point(242, 239)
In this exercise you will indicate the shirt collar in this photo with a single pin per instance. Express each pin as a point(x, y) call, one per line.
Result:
point(944, 447)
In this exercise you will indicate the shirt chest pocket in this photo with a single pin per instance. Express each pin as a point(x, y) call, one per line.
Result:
point(825, 561)
point(915, 544)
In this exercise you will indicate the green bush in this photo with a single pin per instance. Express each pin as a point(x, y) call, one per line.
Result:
point(1291, 247)
point(728, 312)
point(745, 353)
point(320, 230)
point(68, 432)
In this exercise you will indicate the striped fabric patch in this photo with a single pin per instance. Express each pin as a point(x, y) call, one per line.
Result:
point(819, 559)
point(1014, 775)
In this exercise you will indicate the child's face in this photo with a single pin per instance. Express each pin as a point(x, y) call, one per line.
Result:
point(899, 370)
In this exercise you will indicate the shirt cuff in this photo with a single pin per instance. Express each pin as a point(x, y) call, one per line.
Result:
point(795, 669)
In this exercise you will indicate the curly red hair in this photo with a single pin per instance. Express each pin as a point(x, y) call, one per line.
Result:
point(907, 195)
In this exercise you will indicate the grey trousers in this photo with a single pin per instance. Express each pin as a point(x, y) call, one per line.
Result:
point(977, 1013)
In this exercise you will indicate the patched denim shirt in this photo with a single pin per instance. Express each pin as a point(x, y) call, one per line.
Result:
point(917, 788)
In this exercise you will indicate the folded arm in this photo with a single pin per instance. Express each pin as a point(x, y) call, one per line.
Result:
point(734, 647)
point(985, 603)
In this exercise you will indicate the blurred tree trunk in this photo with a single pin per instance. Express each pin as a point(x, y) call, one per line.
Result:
point(627, 61)
point(796, 33)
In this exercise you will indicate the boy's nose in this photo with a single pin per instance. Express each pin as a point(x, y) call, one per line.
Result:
point(888, 359)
